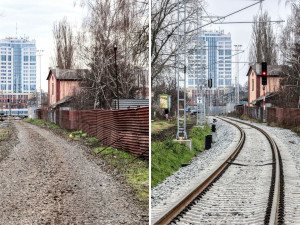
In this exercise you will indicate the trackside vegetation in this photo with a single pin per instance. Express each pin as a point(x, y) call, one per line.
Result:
point(168, 156)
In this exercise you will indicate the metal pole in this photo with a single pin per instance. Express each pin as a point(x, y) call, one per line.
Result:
point(237, 86)
point(181, 63)
point(115, 48)
point(40, 98)
point(264, 97)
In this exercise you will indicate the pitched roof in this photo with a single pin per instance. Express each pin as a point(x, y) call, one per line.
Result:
point(273, 70)
point(67, 74)
point(261, 98)
point(64, 100)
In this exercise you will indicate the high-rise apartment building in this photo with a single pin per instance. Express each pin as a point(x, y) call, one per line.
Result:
point(17, 75)
point(215, 53)
point(18, 65)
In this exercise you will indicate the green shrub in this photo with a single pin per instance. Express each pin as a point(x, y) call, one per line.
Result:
point(296, 130)
point(168, 156)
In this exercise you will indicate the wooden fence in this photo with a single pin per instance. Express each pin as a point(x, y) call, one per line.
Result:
point(126, 130)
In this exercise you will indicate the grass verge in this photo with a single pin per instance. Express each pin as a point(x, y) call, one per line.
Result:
point(135, 170)
point(168, 156)
point(42, 123)
point(159, 126)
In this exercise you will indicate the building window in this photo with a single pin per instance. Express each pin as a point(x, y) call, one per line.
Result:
point(252, 84)
point(227, 52)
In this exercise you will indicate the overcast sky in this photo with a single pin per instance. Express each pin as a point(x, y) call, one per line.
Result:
point(241, 33)
point(34, 19)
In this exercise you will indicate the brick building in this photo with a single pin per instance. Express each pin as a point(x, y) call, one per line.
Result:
point(255, 88)
point(62, 83)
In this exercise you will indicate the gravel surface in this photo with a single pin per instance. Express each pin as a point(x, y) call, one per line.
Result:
point(48, 180)
point(184, 175)
point(289, 146)
point(241, 195)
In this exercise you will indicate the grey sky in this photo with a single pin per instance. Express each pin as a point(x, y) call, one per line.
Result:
point(241, 33)
point(34, 19)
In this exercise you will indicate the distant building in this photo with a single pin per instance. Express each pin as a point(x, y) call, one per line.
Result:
point(62, 83)
point(18, 65)
point(255, 88)
point(17, 74)
point(215, 56)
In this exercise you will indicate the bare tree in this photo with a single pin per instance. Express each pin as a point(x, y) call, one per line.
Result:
point(122, 23)
point(289, 43)
point(164, 33)
point(263, 47)
point(65, 44)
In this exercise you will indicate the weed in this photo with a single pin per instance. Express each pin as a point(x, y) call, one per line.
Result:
point(93, 140)
point(296, 130)
point(42, 123)
point(135, 171)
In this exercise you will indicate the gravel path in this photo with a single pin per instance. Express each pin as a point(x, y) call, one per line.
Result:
point(49, 180)
point(198, 166)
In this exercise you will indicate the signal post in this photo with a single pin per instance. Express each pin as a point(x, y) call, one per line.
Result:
point(264, 74)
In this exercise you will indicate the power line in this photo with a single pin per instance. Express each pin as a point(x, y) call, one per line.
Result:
point(269, 21)
point(223, 17)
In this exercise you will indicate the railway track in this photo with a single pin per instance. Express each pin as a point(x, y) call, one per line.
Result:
point(246, 188)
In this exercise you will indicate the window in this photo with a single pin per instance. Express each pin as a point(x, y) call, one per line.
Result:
point(252, 84)
point(227, 82)
point(32, 58)
point(26, 58)
point(3, 57)
point(32, 87)
point(227, 52)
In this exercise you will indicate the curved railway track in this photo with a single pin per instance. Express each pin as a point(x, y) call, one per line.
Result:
point(274, 206)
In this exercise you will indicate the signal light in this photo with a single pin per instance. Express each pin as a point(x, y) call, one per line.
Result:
point(210, 83)
point(264, 73)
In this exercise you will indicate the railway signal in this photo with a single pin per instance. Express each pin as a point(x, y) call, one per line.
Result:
point(264, 73)
point(210, 83)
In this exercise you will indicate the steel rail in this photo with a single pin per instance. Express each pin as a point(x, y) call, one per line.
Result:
point(168, 216)
point(272, 213)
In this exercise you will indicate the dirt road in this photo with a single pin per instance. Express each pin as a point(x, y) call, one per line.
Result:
point(46, 179)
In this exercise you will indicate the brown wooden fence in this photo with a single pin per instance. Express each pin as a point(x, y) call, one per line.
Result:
point(126, 130)
point(285, 117)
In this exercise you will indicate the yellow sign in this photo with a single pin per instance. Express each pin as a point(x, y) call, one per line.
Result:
point(163, 101)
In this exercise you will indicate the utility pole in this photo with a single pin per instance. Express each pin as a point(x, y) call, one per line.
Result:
point(237, 86)
point(117, 83)
point(200, 69)
point(181, 70)
point(40, 56)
